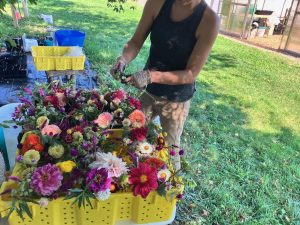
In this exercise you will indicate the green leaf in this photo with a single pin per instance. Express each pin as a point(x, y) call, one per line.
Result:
point(161, 190)
point(24, 207)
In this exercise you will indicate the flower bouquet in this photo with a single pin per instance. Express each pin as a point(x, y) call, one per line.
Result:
point(82, 149)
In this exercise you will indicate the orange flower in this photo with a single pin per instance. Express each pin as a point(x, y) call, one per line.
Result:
point(32, 142)
point(137, 118)
point(157, 163)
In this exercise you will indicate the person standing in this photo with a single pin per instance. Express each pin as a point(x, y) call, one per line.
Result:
point(182, 33)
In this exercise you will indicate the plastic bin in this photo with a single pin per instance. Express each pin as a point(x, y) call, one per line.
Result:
point(70, 37)
point(52, 58)
point(119, 207)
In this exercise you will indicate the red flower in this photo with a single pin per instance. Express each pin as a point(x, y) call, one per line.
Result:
point(155, 162)
point(144, 179)
point(32, 141)
point(52, 99)
point(138, 134)
point(135, 103)
point(119, 94)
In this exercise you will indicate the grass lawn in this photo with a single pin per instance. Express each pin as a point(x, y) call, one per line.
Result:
point(243, 132)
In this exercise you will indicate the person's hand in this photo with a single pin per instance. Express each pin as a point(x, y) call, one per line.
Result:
point(118, 68)
point(140, 79)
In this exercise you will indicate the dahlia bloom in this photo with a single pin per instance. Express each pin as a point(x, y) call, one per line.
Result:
point(31, 157)
point(51, 130)
point(155, 162)
point(56, 151)
point(66, 166)
point(98, 180)
point(126, 122)
point(138, 134)
point(137, 118)
point(135, 103)
point(114, 165)
point(32, 142)
point(104, 120)
point(62, 100)
point(46, 180)
point(119, 95)
point(144, 179)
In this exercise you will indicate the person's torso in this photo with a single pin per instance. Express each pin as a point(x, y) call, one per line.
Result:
point(171, 46)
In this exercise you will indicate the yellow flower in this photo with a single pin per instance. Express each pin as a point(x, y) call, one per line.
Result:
point(31, 157)
point(77, 136)
point(162, 154)
point(56, 151)
point(69, 131)
point(78, 116)
point(66, 166)
point(42, 120)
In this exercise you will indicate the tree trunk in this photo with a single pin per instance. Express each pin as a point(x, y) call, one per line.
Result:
point(13, 13)
point(25, 8)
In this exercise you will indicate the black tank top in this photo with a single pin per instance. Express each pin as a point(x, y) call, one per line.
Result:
point(171, 46)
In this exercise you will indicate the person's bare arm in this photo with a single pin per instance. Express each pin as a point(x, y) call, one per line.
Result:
point(206, 35)
point(133, 46)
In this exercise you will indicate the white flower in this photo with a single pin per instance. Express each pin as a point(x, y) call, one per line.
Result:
point(43, 202)
point(126, 122)
point(164, 175)
point(103, 195)
point(114, 165)
point(144, 149)
point(127, 141)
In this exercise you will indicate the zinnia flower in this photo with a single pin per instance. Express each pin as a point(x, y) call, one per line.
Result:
point(42, 121)
point(135, 103)
point(126, 122)
point(144, 179)
point(46, 180)
point(119, 95)
point(103, 195)
point(31, 157)
point(32, 142)
point(157, 163)
point(137, 118)
point(56, 151)
point(51, 130)
point(98, 180)
point(66, 166)
point(104, 120)
point(164, 175)
point(114, 165)
point(144, 149)
point(77, 137)
point(138, 134)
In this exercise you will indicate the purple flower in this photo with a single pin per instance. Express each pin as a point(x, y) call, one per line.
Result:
point(31, 111)
point(172, 152)
point(164, 167)
point(20, 146)
point(19, 158)
point(42, 93)
point(74, 152)
point(86, 145)
point(28, 91)
point(179, 196)
point(46, 180)
point(97, 180)
point(181, 152)
point(25, 101)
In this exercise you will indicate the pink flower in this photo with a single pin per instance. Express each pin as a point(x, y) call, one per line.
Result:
point(62, 100)
point(46, 179)
point(104, 120)
point(137, 118)
point(144, 179)
point(120, 94)
point(51, 130)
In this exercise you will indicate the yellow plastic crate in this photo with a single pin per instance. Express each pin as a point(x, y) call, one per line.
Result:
point(119, 207)
point(52, 58)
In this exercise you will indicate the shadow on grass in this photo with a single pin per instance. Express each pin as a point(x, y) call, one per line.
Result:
point(217, 61)
point(242, 175)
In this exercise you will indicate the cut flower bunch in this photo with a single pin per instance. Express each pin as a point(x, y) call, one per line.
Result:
point(86, 145)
